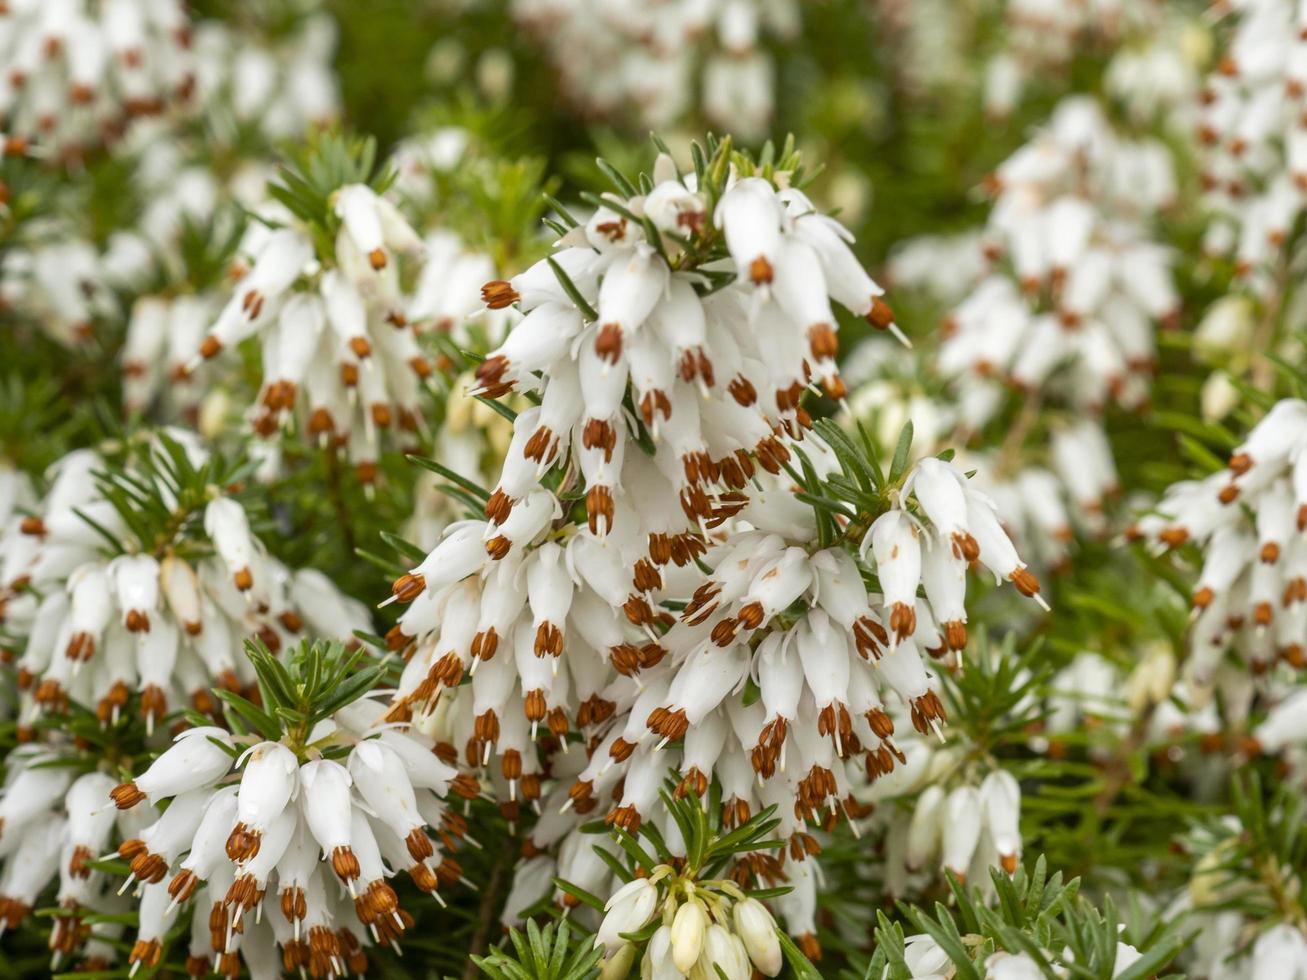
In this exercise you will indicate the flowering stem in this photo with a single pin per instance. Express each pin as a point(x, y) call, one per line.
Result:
point(331, 464)
point(490, 903)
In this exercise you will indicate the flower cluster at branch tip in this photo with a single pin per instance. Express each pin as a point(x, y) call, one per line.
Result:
point(339, 351)
point(706, 929)
point(959, 822)
point(1082, 281)
point(60, 284)
point(283, 87)
point(650, 59)
point(164, 619)
point(1252, 125)
point(78, 72)
point(1248, 522)
point(1043, 36)
point(1057, 301)
point(927, 960)
point(646, 557)
point(296, 853)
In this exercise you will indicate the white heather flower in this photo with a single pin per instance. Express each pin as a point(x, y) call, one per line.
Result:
point(1000, 800)
point(268, 784)
point(1251, 593)
point(1280, 951)
point(643, 65)
point(1012, 966)
point(925, 959)
point(282, 831)
point(695, 568)
point(658, 956)
point(959, 829)
point(756, 927)
point(689, 927)
point(340, 356)
point(193, 761)
point(166, 626)
point(79, 71)
point(630, 907)
point(724, 954)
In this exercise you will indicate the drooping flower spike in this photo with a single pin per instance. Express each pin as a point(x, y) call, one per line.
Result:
point(1248, 522)
point(671, 342)
point(324, 297)
point(283, 847)
point(115, 602)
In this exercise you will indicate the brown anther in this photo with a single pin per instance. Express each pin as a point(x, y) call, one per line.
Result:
point(903, 620)
point(321, 423)
point(345, 864)
point(126, 795)
point(599, 508)
point(880, 315)
point(465, 785)
point(499, 506)
point(608, 343)
point(419, 844)
point(408, 587)
point(243, 843)
point(549, 640)
point(1174, 537)
point(626, 817)
point(498, 294)
point(1025, 582)
point(822, 341)
point(723, 633)
point(183, 885)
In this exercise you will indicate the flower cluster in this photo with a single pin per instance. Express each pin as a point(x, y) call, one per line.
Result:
point(59, 283)
point(316, 836)
point(175, 263)
point(706, 928)
point(79, 71)
point(957, 824)
point(144, 580)
point(647, 570)
point(927, 960)
point(651, 60)
point(1045, 36)
point(53, 826)
point(1082, 282)
point(1251, 123)
point(323, 293)
point(281, 85)
point(1247, 521)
